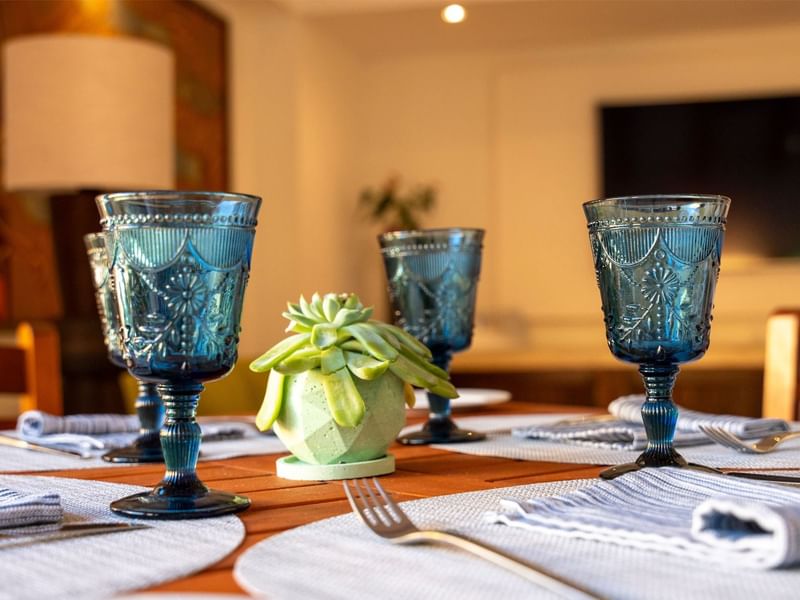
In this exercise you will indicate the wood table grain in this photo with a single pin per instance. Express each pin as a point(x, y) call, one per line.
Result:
point(279, 504)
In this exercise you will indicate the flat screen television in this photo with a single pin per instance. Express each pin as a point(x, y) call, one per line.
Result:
point(746, 149)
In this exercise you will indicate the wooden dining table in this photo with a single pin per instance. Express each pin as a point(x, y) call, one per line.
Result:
point(280, 504)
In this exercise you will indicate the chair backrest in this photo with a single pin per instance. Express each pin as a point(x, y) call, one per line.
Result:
point(31, 367)
point(782, 365)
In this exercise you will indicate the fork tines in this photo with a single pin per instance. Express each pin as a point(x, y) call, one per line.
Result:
point(724, 438)
point(375, 507)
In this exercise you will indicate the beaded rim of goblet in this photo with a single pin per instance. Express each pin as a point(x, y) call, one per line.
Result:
point(655, 203)
point(426, 240)
point(170, 215)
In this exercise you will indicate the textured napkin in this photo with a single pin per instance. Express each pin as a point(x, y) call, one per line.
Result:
point(627, 432)
point(21, 510)
point(676, 511)
point(94, 434)
point(629, 408)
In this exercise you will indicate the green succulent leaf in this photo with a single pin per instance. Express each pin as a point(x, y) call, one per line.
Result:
point(408, 394)
point(305, 308)
point(302, 319)
point(273, 399)
point(296, 327)
point(445, 389)
point(347, 316)
point(332, 360)
point(330, 306)
point(299, 362)
point(391, 338)
point(324, 335)
point(372, 341)
point(405, 337)
point(365, 367)
point(278, 352)
point(423, 363)
point(353, 302)
point(345, 403)
point(411, 373)
point(353, 346)
point(316, 306)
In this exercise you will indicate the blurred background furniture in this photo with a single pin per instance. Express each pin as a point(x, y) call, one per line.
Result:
point(98, 96)
point(716, 386)
point(31, 370)
point(782, 365)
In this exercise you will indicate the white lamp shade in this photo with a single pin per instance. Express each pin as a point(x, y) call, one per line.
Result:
point(87, 112)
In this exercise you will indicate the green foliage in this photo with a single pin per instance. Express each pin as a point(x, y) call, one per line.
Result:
point(335, 334)
point(387, 205)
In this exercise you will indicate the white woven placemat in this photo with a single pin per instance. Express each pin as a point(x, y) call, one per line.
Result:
point(504, 445)
point(339, 559)
point(16, 459)
point(105, 565)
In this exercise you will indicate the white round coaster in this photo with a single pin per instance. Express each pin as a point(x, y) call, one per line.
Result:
point(291, 467)
point(105, 565)
point(340, 559)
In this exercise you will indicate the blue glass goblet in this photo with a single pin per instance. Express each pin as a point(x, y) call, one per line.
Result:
point(146, 448)
point(180, 263)
point(433, 281)
point(657, 261)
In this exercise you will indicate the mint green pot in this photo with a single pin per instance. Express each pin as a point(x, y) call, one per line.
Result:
point(305, 424)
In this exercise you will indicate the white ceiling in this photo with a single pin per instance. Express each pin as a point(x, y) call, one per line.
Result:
point(327, 7)
point(409, 26)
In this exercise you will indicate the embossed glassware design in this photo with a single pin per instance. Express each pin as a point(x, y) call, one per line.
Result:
point(147, 446)
point(657, 261)
point(180, 262)
point(433, 280)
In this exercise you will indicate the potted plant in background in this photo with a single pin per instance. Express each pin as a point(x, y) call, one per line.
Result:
point(337, 388)
point(394, 209)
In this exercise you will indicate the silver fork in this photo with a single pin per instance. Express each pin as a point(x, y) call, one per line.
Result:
point(384, 517)
point(762, 446)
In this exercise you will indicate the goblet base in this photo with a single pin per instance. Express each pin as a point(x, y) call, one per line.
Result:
point(150, 505)
point(140, 451)
point(618, 470)
point(440, 431)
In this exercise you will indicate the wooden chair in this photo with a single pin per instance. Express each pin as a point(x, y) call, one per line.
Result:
point(782, 365)
point(31, 367)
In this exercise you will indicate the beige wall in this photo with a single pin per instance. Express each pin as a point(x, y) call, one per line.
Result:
point(292, 141)
point(509, 138)
point(513, 138)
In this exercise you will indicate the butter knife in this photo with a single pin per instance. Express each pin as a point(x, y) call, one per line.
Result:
point(70, 530)
point(785, 479)
point(17, 443)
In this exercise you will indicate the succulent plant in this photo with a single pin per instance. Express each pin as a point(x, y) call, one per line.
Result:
point(335, 334)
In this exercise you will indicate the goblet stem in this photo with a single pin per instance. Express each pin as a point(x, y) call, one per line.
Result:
point(660, 415)
point(146, 448)
point(180, 440)
point(440, 428)
point(439, 407)
point(180, 494)
point(150, 411)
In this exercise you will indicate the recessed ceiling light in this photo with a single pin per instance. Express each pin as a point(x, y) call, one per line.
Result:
point(453, 13)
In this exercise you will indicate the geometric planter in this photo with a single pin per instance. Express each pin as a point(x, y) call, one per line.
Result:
point(322, 448)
